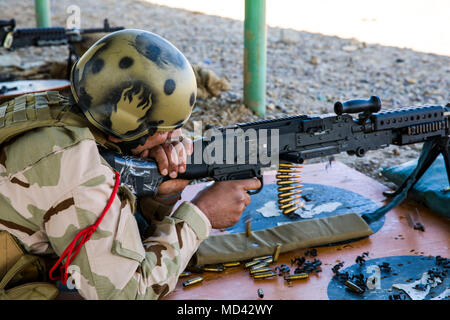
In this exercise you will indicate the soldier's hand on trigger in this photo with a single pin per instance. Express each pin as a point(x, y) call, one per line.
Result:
point(224, 202)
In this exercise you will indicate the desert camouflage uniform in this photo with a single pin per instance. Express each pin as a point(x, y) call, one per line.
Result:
point(53, 183)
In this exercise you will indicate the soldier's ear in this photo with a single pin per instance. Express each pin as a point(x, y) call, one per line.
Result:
point(114, 139)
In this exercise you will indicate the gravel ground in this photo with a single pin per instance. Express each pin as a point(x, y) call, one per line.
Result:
point(306, 72)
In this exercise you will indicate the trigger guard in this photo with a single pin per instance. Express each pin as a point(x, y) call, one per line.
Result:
point(252, 192)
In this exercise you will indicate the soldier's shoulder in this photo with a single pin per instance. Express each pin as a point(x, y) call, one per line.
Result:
point(35, 145)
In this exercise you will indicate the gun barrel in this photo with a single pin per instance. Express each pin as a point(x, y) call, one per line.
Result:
point(101, 30)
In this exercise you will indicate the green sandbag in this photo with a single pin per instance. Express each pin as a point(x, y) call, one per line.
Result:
point(430, 189)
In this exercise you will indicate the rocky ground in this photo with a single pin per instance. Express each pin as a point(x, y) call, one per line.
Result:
point(306, 72)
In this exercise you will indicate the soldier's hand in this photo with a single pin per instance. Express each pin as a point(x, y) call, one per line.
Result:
point(224, 202)
point(169, 191)
point(171, 156)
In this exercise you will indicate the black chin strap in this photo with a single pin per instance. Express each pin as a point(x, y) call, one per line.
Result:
point(127, 146)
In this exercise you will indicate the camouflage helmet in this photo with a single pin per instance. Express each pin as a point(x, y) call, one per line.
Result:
point(132, 83)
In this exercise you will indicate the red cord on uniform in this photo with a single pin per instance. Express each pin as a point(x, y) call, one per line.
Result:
point(84, 235)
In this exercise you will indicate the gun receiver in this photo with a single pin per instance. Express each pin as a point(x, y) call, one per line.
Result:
point(299, 138)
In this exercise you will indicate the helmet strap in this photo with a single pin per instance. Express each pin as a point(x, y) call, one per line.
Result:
point(127, 146)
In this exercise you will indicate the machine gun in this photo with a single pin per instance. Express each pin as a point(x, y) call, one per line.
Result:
point(305, 137)
point(12, 37)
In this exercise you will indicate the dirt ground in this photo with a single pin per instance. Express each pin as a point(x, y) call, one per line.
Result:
point(306, 72)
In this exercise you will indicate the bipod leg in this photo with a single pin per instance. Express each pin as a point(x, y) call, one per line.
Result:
point(426, 159)
point(72, 53)
point(430, 151)
point(446, 155)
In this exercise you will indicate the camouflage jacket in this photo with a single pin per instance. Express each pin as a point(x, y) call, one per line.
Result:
point(53, 183)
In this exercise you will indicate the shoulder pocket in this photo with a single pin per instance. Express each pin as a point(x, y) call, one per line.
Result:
point(127, 242)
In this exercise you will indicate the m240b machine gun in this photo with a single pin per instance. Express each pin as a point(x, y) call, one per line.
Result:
point(305, 137)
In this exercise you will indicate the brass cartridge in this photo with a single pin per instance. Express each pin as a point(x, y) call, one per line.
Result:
point(297, 276)
point(264, 275)
point(192, 281)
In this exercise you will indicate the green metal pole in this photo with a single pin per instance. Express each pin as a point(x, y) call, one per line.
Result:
point(42, 8)
point(255, 55)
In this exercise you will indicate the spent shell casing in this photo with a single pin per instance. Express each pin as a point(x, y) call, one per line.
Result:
point(263, 275)
point(214, 269)
point(276, 253)
point(185, 274)
point(260, 293)
point(297, 276)
point(288, 194)
point(354, 287)
point(232, 264)
point(262, 258)
point(192, 281)
point(259, 266)
point(269, 260)
point(265, 269)
point(251, 263)
point(248, 227)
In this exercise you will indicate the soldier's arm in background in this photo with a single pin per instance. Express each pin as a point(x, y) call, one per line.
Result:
point(115, 263)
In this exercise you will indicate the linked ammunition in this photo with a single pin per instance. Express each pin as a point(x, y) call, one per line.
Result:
point(192, 281)
point(287, 205)
point(286, 176)
point(287, 188)
point(290, 165)
point(283, 182)
point(263, 275)
point(288, 170)
point(287, 194)
point(289, 182)
point(297, 276)
point(281, 201)
point(291, 210)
